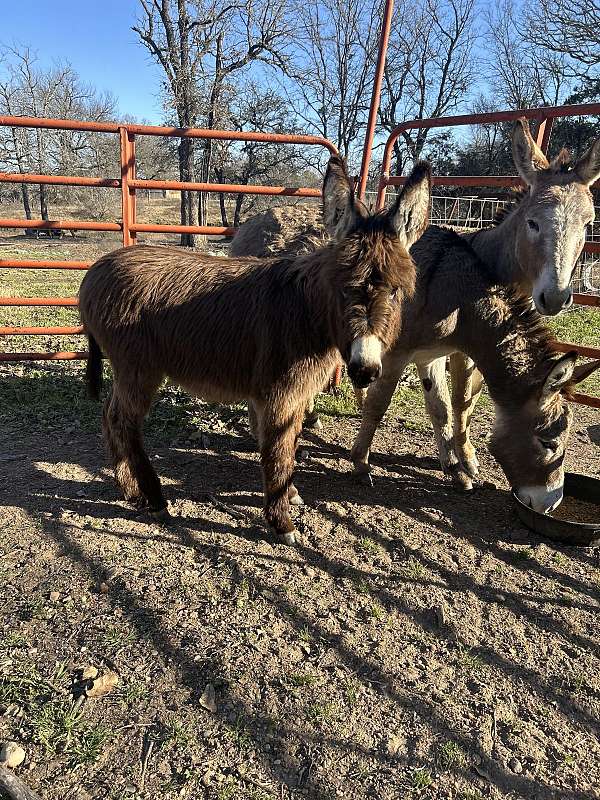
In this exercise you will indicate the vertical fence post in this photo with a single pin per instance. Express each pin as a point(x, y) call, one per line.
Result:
point(544, 130)
point(372, 122)
point(127, 142)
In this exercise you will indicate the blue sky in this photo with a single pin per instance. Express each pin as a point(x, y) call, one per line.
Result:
point(95, 36)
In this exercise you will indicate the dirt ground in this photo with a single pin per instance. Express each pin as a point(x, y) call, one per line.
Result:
point(418, 643)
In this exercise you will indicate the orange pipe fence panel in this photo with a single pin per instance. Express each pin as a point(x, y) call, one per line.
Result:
point(128, 226)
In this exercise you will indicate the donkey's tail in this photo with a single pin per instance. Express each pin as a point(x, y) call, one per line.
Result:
point(93, 371)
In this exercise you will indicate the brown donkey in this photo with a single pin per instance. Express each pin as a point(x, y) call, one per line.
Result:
point(234, 329)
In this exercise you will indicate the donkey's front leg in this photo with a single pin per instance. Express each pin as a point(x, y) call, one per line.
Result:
point(437, 402)
point(279, 430)
point(375, 405)
point(466, 388)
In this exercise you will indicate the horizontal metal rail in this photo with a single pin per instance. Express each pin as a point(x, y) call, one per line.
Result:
point(38, 301)
point(227, 188)
point(59, 180)
point(56, 331)
point(13, 263)
point(61, 224)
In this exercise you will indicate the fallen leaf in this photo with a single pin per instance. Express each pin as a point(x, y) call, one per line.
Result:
point(103, 685)
point(208, 700)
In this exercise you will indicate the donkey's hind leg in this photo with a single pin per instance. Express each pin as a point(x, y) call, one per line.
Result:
point(467, 382)
point(437, 402)
point(123, 418)
point(279, 431)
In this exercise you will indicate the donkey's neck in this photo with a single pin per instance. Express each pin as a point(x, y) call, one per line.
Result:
point(496, 247)
point(509, 343)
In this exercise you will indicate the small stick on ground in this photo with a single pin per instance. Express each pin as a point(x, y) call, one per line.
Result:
point(145, 759)
point(228, 509)
point(13, 788)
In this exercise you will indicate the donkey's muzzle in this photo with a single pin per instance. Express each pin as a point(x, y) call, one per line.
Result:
point(552, 303)
point(364, 365)
point(363, 376)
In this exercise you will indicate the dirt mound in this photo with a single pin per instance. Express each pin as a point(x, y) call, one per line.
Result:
point(289, 230)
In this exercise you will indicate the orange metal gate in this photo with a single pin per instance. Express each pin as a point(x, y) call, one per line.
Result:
point(545, 117)
point(129, 227)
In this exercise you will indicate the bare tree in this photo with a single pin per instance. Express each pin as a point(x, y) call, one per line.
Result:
point(332, 67)
point(523, 74)
point(567, 27)
point(250, 162)
point(27, 90)
point(430, 67)
point(200, 44)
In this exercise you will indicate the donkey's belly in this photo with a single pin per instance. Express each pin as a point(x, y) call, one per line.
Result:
point(208, 391)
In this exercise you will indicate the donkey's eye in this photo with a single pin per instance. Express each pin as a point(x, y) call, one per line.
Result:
point(533, 225)
point(548, 444)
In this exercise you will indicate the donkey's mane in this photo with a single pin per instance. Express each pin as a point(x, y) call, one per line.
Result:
point(517, 194)
point(560, 165)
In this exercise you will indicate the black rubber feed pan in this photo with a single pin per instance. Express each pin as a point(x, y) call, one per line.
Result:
point(581, 487)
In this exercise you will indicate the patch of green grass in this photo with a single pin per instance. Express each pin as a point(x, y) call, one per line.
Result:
point(134, 692)
point(579, 326)
point(375, 611)
point(239, 733)
point(367, 546)
point(299, 679)
point(469, 660)
point(361, 586)
point(176, 734)
point(61, 728)
point(351, 692)
point(341, 404)
point(114, 638)
point(420, 778)
point(12, 641)
point(413, 569)
point(320, 712)
point(450, 755)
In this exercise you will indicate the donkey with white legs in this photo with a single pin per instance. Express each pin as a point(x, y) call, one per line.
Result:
point(534, 246)
point(458, 306)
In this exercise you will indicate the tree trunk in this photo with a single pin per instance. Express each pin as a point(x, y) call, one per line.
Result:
point(223, 209)
point(43, 202)
point(238, 210)
point(26, 202)
point(13, 788)
point(186, 173)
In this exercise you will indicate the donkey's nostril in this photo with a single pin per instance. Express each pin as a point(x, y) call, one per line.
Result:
point(569, 301)
point(543, 300)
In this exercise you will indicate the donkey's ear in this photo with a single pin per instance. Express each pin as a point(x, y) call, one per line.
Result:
point(528, 157)
point(339, 208)
point(410, 213)
point(583, 371)
point(561, 373)
point(588, 166)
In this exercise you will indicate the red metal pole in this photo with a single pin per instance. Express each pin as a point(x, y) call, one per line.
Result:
point(544, 131)
point(368, 148)
point(127, 141)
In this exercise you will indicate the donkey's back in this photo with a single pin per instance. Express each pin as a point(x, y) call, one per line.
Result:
point(163, 311)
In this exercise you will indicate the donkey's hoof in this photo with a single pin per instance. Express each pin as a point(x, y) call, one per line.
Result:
point(471, 466)
point(296, 500)
point(288, 538)
point(161, 515)
point(362, 475)
point(312, 423)
point(460, 480)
